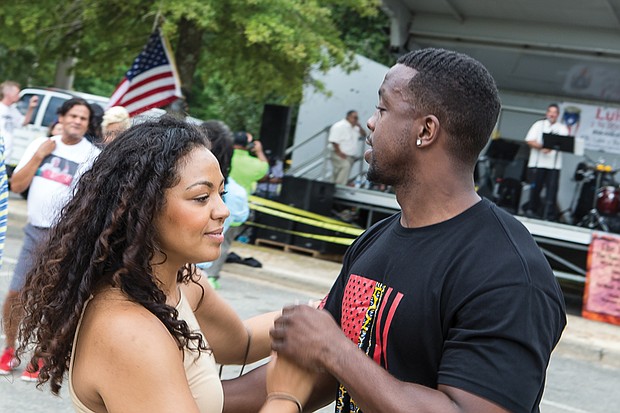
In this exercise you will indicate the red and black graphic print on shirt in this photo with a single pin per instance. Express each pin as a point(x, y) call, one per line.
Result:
point(57, 169)
point(368, 308)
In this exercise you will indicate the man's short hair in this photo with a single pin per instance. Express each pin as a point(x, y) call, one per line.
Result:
point(7, 84)
point(460, 92)
point(240, 138)
point(554, 105)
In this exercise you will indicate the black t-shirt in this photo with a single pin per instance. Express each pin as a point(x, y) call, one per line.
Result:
point(470, 302)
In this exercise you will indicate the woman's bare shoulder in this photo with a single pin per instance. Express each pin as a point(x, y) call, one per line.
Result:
point(112, 319)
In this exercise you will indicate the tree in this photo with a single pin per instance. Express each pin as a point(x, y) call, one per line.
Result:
point(254, 51)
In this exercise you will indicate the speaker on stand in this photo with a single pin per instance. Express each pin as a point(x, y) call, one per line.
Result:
point(274, 130)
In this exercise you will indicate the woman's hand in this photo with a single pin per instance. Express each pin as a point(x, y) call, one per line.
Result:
point(285, 378)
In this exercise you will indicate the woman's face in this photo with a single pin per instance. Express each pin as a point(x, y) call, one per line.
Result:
point(57, 129)
point(191, 223)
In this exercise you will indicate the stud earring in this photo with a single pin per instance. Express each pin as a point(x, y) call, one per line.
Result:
point(418, 142)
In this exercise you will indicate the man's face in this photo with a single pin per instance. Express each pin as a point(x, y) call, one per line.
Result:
point(74, 123)
point(552, 114)
point(353, 118)
point(392, 139)
point(11, 93)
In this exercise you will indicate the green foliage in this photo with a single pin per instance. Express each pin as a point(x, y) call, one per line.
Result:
point(367, 35)
point(249, 52)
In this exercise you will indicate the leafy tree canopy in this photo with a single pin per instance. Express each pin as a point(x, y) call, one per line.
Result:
point(233, 55)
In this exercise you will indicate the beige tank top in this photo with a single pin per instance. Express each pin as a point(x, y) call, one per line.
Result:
point(201, 372)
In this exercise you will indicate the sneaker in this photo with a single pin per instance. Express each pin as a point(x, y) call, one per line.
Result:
point(8, 362)
point(215, 283)
point(32, 373)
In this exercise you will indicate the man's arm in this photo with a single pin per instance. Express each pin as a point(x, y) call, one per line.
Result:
point(22, 177)
point(533, 135)
point(362, 130)
point(258, 151)
point(34, 101)
point(328, 349)
point(338, 151)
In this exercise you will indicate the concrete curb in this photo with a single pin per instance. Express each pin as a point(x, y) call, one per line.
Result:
point(591, 341)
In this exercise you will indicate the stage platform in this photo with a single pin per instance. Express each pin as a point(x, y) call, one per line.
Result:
point(565, 246)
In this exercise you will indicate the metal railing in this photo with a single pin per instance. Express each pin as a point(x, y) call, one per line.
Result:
point(316, 166)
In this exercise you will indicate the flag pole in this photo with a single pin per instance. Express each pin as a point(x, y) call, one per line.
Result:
point(158, 21)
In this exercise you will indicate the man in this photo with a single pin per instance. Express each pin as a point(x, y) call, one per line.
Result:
point(10, 117)
point(249, 163)
point(345, 149)
point(449, 305)
point(47, 195)
point(544, 164)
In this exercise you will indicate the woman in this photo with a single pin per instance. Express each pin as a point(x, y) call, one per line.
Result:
point(115, 120)
point(111, 299)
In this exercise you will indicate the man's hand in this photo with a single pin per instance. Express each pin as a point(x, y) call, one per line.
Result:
point(306, 335)
point(34, 101)
point(45, 149)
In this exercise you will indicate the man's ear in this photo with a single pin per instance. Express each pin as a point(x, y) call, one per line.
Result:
point(428, 131)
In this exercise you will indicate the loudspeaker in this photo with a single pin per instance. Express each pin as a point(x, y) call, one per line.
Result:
point(274, 129)
point(270, 234)
point(313, 196)
point(509, 194)
point(324, 247)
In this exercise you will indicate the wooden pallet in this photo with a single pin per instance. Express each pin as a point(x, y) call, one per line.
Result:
point(297, 249)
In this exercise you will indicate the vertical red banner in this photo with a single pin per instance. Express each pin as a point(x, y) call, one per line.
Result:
point(601, 298)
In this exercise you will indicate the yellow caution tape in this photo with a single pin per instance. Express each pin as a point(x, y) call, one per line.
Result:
point(277, 209)
point(297, 211)
point(312, 222)
point(327, 238)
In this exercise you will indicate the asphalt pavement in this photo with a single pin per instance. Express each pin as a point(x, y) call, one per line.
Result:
point(285, 277)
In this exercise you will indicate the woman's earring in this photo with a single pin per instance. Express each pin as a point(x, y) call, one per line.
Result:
point(418, 142)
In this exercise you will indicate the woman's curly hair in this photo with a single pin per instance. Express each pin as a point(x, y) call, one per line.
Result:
point(105, 236)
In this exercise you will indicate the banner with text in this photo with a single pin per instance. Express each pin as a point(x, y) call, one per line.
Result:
point(601, 297)
point(597, 126)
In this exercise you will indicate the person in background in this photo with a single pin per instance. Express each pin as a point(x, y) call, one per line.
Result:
point(10, 117)
point(112, 290)
point(448, 305)
point(544, 165)
point(94, 133)
point(269, 186)
point(236, 199)
point(47, 194)
point(115, 120)
point(54, 129)
point(344, 137)
point(249, 163)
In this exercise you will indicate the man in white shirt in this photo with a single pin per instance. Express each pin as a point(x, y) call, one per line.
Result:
point(10, 117)
point(544, 164)
point(344, 139)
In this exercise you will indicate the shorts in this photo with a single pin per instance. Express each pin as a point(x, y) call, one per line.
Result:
point(33, 236)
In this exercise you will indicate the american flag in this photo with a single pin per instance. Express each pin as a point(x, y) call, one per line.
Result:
point(151, 82)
